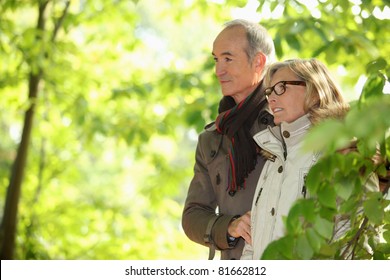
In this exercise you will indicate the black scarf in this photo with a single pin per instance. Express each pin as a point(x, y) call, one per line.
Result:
point(235, 121)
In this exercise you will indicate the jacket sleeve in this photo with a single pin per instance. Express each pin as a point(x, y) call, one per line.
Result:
point(201, 202)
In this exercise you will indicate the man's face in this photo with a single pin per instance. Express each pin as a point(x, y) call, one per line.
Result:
point(236, 74)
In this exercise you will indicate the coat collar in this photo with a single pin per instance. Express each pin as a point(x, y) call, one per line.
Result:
point(291, 133)
point(287, 133)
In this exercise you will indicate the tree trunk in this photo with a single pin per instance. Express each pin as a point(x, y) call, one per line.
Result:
point(8, 225)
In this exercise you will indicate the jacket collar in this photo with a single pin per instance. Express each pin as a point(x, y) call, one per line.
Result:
point(291, 133)
point(287, 133)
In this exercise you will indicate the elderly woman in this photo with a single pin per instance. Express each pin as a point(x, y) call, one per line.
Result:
point(300, 93)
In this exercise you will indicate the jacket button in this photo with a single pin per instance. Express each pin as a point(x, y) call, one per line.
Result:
point(232, 193)
point(280, 169)
point(212, 153)
point(273, 211)
point(286, 134)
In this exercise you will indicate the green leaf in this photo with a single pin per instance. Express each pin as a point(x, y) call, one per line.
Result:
point(350, 186)
point(280, 249)
point(278, 45)
point(344, 189)
point(332, 48)
point(303, 248)
point(384, 248)
point(382, 252)
point(386, 219)
point(327, 197)
point(373, 87)
point(314, 239)
point(382, 170)
point(326, 212)
point(323, 227)
point(348, 205)
point(293, 42)
point(303, 210)
point(326, 136)
point(374, 66)
point(373, 207)
point(318, 175)
point(378, 255)
point(328, 250)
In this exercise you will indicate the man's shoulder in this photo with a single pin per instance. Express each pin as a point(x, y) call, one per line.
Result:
point(210, 127)
point(210, 138)
point(210, 132)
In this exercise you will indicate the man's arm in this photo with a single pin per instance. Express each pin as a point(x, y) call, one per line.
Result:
point(201, 203)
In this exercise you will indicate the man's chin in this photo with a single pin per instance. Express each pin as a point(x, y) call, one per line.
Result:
point(226, 93)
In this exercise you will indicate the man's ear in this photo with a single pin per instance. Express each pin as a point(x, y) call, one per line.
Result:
point(260, 60)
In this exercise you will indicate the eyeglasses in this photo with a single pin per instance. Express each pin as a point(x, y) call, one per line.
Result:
point(280, 87)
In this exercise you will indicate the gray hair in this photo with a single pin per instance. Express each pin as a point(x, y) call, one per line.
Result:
point(258, 39)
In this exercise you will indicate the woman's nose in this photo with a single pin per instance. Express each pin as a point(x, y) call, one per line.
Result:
point(272, 97)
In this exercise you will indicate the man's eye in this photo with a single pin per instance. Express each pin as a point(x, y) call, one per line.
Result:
point(227, 59)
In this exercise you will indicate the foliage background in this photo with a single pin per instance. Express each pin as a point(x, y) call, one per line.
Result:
point(125, 90)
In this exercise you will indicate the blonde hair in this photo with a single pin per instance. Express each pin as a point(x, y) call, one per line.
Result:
point(323, 98)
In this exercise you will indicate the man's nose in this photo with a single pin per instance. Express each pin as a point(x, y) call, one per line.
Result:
point(220, 70)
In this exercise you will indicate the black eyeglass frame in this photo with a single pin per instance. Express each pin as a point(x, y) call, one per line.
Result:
point(268, 91)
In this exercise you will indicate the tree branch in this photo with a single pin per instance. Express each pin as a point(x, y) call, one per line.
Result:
point(59, 21)
point(354, 241)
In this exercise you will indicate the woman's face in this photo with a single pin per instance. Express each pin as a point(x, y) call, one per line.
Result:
point(289, 106)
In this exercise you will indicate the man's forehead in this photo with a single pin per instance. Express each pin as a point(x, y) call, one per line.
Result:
point(231, 41)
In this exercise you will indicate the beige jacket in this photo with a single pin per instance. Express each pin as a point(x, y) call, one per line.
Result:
point(278, 189)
